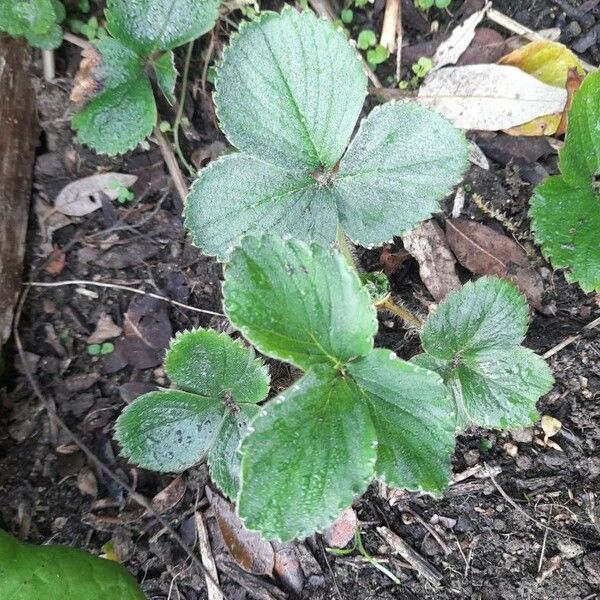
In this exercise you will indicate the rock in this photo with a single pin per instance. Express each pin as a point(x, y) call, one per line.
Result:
point(523, 436)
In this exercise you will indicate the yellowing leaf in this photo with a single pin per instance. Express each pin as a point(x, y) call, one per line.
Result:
point(548, 62)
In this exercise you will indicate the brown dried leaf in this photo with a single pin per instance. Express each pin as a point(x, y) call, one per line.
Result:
point(484, 251)
point(437, 266)
point(56, 262)
point(288, 568)
point(169, 497)
point(341, 532)
point(549, 566)
point(249, 550)
point(106, 329)
point(87, 83)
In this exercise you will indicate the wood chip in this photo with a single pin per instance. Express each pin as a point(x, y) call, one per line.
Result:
point(214, 593)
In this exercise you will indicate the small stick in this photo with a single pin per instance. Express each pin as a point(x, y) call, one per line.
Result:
point(214, 593)
point(399, 546)
point(75, 39)
point(399, 33)
point(505, 21)
point(48, 65)
point(568, 341)
point(171, 161)
point(390, 25)
point(125, 288)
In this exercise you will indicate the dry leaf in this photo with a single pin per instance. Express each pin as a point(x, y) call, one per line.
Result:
point(484, 251)
point(450, 50)
point(82, 196)
point(86, 482)
point(249, 550)
point(437, 267)
point(391, 261)
point(287, 567)
point(106, 329)
point(56, 262)
point(489, 97)
point(550, 426)
point(342, 531)
point(549, 566)
point(550, 62)
point(49, 221)
point(169, 497)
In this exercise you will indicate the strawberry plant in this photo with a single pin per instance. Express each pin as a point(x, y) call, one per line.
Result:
point(122, 111)
point(565, 209)
point(29, 572)
point(37, 20)
point(357, 412)
point(288, 94)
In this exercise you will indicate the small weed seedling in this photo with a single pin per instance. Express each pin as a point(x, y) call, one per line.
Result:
point(356, 413)
point(122, 110)
point(288, 93)
point(37, 20)
point(565, 209)
point(427, 4)
point(28, 571)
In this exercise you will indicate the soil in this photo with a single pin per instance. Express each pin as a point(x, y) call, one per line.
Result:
point(500, 535)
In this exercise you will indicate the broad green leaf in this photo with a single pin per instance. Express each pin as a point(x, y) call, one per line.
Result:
point(401, 163)
point(168, 430)
point(48, 40)
point(308, 456)
point(414, 421)
point(119, 119)
point(37, 20)
point(566, 222)
point(254, 197)
point(211, 364)
point(472, 341)
point(29, 572)
point(565, 210)
point(148, 25)
point(289, 90)
point(172, 430)
point(298, 303)
point(166, 75)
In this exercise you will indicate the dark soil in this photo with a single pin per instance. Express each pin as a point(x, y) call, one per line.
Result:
point(500, 536)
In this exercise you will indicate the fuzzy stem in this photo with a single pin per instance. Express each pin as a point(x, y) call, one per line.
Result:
point(344, 247)
point(48, 65)
point(178, 117)
point(399, 311)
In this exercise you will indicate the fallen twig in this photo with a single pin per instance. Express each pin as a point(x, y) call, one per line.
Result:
point(171, 161)
point(390, 25)
point(125, 288)
point(568, 341)
point(48, 65)
point(213, 590)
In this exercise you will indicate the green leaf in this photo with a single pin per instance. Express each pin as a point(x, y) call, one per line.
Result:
point(211, 364)
point(565, 210)
point(366, 39)
point(472, 341)
point(402, 161)
point(48, 40)
point(298, 303)
point(289, 90)
point(254, 197)
point(172, 430)
point(124, 112)
point(149, 25)
point(414, 420)
point(377, 55)
point(166, 75)
point(308, 456)
point(36, 19)
point(29, 572)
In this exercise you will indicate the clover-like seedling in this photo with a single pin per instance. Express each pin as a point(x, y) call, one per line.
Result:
point(28, 572)
point(358, 412)
point(144, 33)
point(473, 341)
point(565, 209)
point(219, 384)
point(37, 20)
point(288, 94)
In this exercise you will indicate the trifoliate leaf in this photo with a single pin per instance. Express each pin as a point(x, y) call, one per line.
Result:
point(29, 572)
point(565, 210)
point(171, 430)
point(166, 75)
point(402, 161)
point(308, 456)
point(298, 303)
point(211, 364)
point(124, 111)
point(148, 25)
point(302, 87)
point(414, 420)
point(288, 94)
point(37, 20)
point(472, 341)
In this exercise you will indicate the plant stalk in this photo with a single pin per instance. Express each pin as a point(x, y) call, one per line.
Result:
point(399, 311)
point(344, 247)
point(179, 115)
point(48, 65)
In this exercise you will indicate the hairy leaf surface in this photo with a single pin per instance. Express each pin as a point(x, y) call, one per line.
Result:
point(472, 341)
point(37, 20)
point(565, 209)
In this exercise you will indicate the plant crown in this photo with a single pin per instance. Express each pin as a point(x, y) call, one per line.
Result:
point(565, 209)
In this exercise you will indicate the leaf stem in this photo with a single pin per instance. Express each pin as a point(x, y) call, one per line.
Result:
point(399, 311)
point(344, 246)
point(179, 115)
